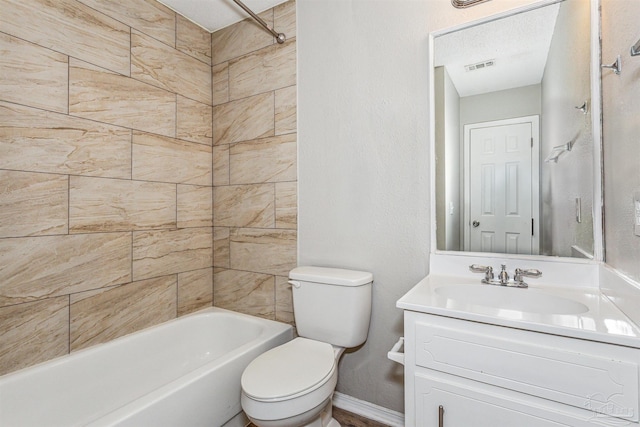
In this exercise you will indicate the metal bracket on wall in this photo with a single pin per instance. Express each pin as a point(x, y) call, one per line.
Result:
point(557, 150)
point(635, 49)
point(280, 37)
point(584, 107)
point(616, 66)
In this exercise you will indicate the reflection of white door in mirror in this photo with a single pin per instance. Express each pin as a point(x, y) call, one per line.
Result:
point(545, 61)
point(500, 185)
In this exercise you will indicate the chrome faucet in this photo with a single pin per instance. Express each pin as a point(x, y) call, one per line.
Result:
point(503, 276)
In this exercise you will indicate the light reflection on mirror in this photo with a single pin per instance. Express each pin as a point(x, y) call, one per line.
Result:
point(506, 94)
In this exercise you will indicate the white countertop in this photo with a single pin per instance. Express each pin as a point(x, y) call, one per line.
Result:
point(589, 314)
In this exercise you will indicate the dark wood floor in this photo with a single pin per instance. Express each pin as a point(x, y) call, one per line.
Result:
point(347, 419)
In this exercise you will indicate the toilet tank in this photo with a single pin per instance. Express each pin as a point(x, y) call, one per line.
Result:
point(332, 305)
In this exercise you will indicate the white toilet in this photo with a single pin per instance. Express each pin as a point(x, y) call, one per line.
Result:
point(292, 385)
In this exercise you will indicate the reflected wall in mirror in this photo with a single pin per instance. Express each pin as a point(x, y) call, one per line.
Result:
point(506, 96)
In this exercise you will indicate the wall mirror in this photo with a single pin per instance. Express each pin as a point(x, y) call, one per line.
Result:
point(516, 151)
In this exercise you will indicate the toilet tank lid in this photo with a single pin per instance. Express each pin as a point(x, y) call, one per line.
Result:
point(331, 276)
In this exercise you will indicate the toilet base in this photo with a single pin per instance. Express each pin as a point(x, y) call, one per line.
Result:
point(323, 419)
point(326, 416)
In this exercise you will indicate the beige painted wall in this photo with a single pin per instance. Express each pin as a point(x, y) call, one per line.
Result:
point(363, 125)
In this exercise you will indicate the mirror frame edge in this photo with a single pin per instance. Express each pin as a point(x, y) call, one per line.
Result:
point(596, 124)
point(596, 128)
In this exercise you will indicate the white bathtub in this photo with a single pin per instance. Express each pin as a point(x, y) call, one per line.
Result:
point(182, 373)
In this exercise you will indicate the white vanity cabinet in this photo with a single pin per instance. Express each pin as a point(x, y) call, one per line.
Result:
point(461, 373)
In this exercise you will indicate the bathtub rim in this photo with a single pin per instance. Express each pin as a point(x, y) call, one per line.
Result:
point(270, 329)
point(275, 329)
point(96, 347)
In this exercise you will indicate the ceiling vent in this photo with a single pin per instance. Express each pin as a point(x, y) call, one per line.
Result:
point(480, 65)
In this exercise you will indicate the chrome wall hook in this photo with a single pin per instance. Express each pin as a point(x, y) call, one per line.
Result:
point(635, 49)
point(584, 107)
point(616, 66)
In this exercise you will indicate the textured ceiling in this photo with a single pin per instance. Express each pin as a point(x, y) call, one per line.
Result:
point(216, 14)
point(519, 44)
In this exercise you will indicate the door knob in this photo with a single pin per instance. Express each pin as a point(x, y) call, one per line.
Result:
point(475, 224)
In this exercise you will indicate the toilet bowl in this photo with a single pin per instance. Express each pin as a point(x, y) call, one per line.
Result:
point(292, 385)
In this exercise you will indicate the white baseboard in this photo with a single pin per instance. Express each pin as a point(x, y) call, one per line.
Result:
point(368, 410)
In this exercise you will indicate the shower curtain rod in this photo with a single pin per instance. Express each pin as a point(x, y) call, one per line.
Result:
point(280, 37)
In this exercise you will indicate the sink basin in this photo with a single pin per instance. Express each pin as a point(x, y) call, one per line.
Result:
point(504, 298)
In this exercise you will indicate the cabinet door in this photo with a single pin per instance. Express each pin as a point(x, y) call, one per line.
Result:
point(573, 372)
point(472, 404)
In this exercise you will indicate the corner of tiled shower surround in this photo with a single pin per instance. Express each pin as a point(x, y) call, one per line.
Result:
point(148, 169)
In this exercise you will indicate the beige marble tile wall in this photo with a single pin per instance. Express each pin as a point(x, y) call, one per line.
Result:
point(255, 165)
point(106, 172)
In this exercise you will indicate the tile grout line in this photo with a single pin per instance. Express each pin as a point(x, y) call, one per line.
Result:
point(275, 187)
point(130, 51)
point(68, 85)
point(177, 227)
point(104, 123)
point(131, 279)
point(177, 295)
point(229, 100)
point(213, 238)
point(69, 179)
point(68, 204)
point(275, 131)
point(69, 326)
point(213, 181)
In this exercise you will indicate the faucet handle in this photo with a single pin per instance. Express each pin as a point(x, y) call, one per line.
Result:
point(488, 271)
point(520, 273)
point(476, 268)
point(528, 272)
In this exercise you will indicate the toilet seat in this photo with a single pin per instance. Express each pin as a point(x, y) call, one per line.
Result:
point(291, 370)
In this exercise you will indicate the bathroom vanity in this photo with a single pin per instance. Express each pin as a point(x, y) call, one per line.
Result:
point(558, 352)
point(551, 354)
